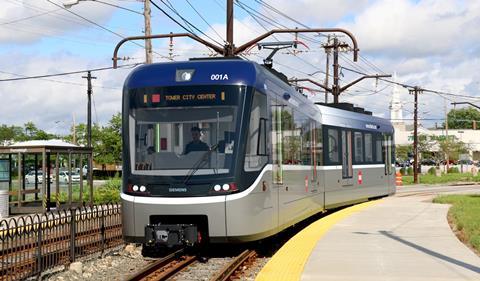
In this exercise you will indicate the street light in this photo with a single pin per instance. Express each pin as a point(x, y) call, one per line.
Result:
point(70, 3)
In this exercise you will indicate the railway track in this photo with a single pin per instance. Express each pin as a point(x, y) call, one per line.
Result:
point(429, 191)
point(164, 268)
point(234, 269)
point(172, 264)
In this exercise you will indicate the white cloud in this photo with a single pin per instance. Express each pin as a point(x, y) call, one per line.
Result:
point(405, 28)
point(45, 102)
point(433, 44)
point(26, 21)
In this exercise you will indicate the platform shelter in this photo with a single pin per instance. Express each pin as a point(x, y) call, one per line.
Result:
point(38, 169)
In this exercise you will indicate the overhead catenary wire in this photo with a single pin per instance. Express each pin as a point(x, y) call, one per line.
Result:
point(66, 73)
point(62, 82)
point(204, 20)
point(30, 17)
point(182, 18)
point(257, 19)
point(98, 25)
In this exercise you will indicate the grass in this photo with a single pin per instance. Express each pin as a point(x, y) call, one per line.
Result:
point(465, 217)
point(444, 178)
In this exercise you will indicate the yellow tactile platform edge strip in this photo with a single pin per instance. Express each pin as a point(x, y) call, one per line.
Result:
point(289, 261)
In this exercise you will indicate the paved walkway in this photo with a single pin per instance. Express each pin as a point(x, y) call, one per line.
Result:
point(400, 238)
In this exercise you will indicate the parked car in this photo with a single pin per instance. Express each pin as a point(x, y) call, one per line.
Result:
point(400, 163)
point(428, 162)
point(63, 176)
point(465, 162)
point(30, 177)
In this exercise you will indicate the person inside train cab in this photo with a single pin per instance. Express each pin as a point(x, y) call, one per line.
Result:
point(196, 144)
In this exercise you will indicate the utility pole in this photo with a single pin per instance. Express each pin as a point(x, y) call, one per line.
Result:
point(327, 67)
point(336, 90)
point(74, 130)
point(89, 78)
point(148, 32)
point(336, 79)
point(446, 138)
point(229, 48)
point(415, 91)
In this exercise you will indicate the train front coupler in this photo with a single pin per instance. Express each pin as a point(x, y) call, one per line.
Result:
point(171, 235)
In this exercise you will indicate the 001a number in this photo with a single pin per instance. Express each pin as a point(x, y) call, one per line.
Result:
point(216, 77)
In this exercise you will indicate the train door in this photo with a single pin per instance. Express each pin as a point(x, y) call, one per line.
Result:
point(347, 168)
point(389, 170)
point(276, 137)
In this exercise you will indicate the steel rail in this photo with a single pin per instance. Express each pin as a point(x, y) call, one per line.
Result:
point(228, 271)
point(164, 268)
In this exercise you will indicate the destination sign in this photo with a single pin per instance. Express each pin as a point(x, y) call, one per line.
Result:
point(172, 97)
point(201, 97)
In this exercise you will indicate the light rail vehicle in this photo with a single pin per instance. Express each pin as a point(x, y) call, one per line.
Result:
point(227, 151)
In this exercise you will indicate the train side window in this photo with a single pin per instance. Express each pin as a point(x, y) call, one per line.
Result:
point(358, 139)
point(318, 144)
point(368, 148)
point(347, 169)
point(333, 146)
point(256, 153)
point(262, 138)
point(379, 149)
point(301, 139)
point(291, 137)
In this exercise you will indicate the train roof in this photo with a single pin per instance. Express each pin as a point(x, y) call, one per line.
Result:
point(206, 72)
point(236, 71)
point(349, 119)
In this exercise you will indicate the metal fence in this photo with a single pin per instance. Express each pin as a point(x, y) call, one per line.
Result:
point(29, 245)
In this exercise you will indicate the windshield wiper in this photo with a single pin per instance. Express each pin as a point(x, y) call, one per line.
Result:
point(203, 160)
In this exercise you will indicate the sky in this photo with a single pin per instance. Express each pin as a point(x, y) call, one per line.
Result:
point(433, 44)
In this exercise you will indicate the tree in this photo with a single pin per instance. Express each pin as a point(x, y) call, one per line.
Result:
point(453, 147)
point(12, 133)
point(424, 145)
point(110, 146)
point(402, 151)
point(106, 140)
point(463, 118)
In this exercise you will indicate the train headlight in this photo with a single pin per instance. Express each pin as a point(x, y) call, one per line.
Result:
point(184, 75)
point(143, 188)
point(226, 187)
point(135, 188)
point(217, 187)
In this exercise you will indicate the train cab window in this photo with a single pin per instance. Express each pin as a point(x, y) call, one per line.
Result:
point(172, 141)
point(333, 146)
point(358, 138)
point(256, 151)
point(368, 148)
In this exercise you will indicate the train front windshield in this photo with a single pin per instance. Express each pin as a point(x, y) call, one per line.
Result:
point(184, 131)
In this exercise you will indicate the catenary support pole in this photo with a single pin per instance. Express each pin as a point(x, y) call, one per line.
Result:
point(148, 32)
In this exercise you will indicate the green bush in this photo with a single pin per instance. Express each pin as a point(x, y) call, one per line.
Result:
point(410, 171)
point(109, 192)
point(403, 171)
point(432, 171)
point(453, 170)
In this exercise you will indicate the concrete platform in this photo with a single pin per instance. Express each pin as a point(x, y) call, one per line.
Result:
point(399, 238)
